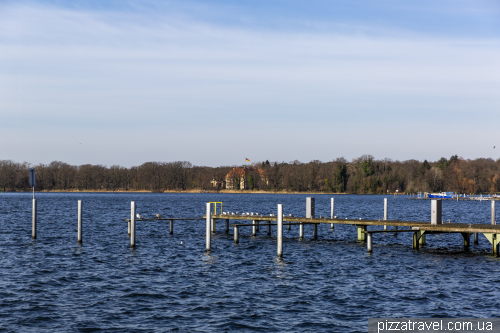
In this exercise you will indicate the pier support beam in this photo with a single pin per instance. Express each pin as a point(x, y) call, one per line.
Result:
point(227, 226)
point(332, 209)
point(236, 235)
point(33, 220)
point(476, 238)
point(301, 231)
point(421, 242)
point(495, 242)
point(171, 227)
point(466, 237)
point(279, 233)
point(209, 225)
point(254, 228)
point(361, 233)
point(493, 217)
point(213, 221)
point(269, 230)
point(132, 223)
point(385, 212)
point(369, 242)
point(417, 238)
point(79, 221)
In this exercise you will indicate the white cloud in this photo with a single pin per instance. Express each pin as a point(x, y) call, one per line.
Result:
point(105, 73)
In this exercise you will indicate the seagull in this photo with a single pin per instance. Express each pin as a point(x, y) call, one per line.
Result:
point(182, 242)
point(158, 216)
point(139, 216)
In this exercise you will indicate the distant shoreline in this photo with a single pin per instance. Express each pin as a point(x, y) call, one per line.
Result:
point(196, 191)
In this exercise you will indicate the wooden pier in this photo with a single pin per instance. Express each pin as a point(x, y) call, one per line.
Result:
point(419, 228)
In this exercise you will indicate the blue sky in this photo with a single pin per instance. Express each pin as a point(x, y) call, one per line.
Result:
point(215, 82)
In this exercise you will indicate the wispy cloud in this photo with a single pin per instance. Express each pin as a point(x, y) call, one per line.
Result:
point(90, 70)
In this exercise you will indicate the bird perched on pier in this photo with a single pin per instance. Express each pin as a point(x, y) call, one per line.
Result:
point(159, 216)
point(139, 216)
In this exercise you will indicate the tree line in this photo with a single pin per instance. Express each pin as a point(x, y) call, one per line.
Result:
point(360, 175)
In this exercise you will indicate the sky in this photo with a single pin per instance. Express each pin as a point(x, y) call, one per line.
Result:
point(215, 82)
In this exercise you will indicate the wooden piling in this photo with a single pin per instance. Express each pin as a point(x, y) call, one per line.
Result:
point(209, 225)
point(227, 226)
point(385, 212)
point(79, 221)
point(361, 233)
point(254, 228)
point(128, 233)
point(476, 238)
point(280, 231)
point(171, 227)
point(269, 230)
point(369, 242)
point(466, 237)
point(332, 209)
point(416, 243)
point(33, 219)
point(493, 221)
point(236, 235)
point(132, 223)
point(311, 213)
point(436, 211)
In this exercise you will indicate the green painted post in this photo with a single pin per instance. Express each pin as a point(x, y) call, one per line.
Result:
point(416, 240)
point(361, 234)
point(422, 238)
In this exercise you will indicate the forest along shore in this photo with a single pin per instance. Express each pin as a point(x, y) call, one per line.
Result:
point(363, 175)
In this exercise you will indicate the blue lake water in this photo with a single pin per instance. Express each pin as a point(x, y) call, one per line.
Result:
point(328, 285)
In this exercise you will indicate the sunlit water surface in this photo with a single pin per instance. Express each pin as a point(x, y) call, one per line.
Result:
point(329, 285)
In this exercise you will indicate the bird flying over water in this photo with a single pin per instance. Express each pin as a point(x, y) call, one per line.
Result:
point(139, 216)
point(158, 216)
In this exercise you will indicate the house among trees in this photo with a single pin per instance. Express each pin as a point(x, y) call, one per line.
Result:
point(242, 178)
point(236, 179)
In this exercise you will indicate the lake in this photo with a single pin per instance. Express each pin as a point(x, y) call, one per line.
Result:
point(328, 285)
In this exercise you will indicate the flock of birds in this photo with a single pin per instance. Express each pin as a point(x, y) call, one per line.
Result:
point(250, 214)
point(140, 217)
